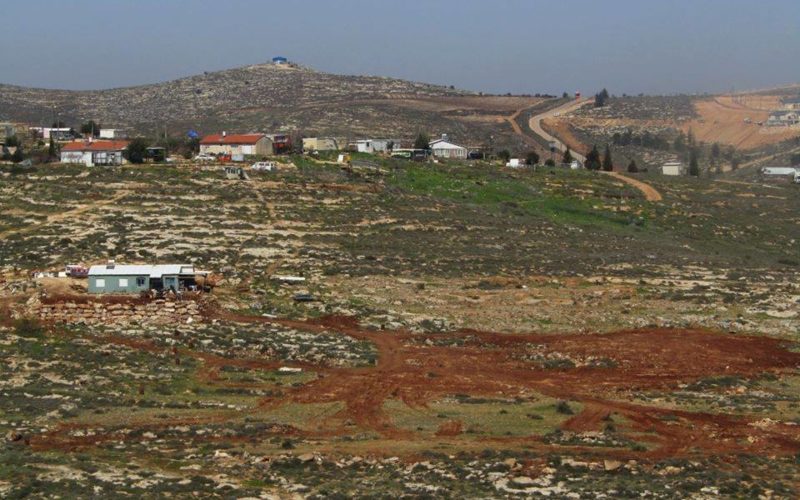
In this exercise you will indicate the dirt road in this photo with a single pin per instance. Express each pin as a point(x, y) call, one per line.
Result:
point(650, 193)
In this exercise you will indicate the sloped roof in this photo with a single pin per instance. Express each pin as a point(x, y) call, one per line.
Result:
point(95, 146)
point(443, 144)
point(232, 139)
point(141, 270)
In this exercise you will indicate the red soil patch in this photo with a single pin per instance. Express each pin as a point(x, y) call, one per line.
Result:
point(495, 365)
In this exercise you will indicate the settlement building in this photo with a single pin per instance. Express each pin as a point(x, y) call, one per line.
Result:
point(374, 145)
point(443, 148)
point(320, 144)
point(113, 133)
point(236, 145)
point(122, 279)
point(91, 153)
point(673, 168)
point(783, 118)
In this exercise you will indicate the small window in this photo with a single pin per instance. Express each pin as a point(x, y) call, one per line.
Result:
point(123, 282)
point(100, 283)
point(140, 281)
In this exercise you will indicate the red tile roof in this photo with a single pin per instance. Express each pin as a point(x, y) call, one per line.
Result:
point(232, 139)
point(95, 146)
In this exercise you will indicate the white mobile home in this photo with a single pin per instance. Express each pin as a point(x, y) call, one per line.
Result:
point(673, 168)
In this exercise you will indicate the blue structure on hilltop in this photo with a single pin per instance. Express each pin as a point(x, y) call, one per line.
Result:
point(279, 60)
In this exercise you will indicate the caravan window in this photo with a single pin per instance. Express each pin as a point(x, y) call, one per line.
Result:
point(140, 281)
point(123, 282)
point(100, 283)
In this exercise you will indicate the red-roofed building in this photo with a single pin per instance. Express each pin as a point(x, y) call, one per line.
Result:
point(236, 144)
point(92, 153)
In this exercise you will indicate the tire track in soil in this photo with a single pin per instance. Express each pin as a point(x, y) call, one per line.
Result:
point(491, 365)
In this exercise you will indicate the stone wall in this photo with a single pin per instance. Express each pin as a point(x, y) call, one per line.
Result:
point(160, 311)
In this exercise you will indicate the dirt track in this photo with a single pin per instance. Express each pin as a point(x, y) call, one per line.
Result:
point(495, 365)
point(650, 193)
point(489, 364)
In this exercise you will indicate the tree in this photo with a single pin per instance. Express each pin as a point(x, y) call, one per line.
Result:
point(600, 98)
point(12, 141)
point(608, 163)
point(52, 151)
point(694, 167)
point(422, 141)
point(59, 124)
point(632, 168)
point(690, 139)
point(567, 159)
point(532, 158)
point(715, 151)
point(680, 142)
point(549, 162)
point(795, 159)
point(137, 150)
point(90, 128)
point(593, 159)
point(504, 155)
point(565, 96)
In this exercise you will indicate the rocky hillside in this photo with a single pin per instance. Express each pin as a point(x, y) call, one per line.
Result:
point(265, 97)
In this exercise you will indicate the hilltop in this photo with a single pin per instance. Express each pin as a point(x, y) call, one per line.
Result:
point(270, 98)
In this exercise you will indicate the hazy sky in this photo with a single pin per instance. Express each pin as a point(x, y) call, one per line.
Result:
point(521, 46)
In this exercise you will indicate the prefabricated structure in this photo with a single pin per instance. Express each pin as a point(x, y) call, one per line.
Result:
point(124, 279)
point(673, 168)
point(790, 171)
point(320, 144)
point(113, 133)
point(444, 149)
point(55, 133)
point(279, 60)
point(236, 145)
point(783, 118)
point(374, 145)
point(516, 163)
point(92, 153)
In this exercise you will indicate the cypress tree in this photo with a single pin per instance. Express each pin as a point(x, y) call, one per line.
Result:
point(608, 163)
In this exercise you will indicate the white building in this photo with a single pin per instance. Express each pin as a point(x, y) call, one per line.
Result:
point(91, 153)
point(443, 148)
point(673, 168)
point(57, 133)
point(113, 133)
point(374, 145)
point(791, 171)
point(783, 118)
point(516, 163)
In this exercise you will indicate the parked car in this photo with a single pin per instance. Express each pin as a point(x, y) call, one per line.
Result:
point(205, 157)
point(264, 166)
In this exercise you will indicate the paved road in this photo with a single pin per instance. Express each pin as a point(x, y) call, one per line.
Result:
point(535, 124)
